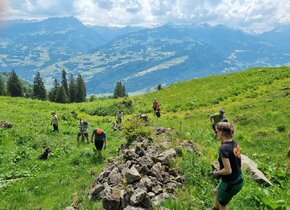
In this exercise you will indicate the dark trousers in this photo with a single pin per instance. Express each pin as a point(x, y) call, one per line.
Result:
point(55, 127)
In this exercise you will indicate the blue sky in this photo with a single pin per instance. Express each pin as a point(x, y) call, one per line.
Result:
point(249, 15)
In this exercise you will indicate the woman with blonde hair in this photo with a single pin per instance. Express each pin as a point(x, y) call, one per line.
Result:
point(230, 167)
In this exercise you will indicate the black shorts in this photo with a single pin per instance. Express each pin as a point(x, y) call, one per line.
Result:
point(99, 145)
point(85, 134)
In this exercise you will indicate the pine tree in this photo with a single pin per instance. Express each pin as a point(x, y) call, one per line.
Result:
point(53, 92)
point(14, 85)
point(61, 96)
point(120, 90)
point(2, 86)
point(80, 89)
point(64, 82)
point(72, 89)
point(39, 90)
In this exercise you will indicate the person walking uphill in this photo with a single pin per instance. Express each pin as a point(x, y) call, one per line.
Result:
point(230, 167)
point(83, 130)
point(216, 118)
point(155, 105)
point(100, 140)
point(54, 121)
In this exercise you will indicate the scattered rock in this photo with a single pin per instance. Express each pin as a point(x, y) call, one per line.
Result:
point(6, 124)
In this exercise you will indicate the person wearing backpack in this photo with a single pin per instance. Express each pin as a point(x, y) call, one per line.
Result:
point(155, 105)
point(229, 167)
point(83, 131)
point(100, 140)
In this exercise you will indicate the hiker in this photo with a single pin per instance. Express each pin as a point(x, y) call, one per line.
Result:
point(157, 112)
point(230, 167)
point(155, 105)
point(216, 118)
point(83, 131)
point(100, 140)
point(54, 121)
point(119, 117)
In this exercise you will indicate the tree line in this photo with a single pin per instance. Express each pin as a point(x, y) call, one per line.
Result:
point(70, 91)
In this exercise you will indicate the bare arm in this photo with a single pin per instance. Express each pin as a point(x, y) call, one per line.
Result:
point(227, 170)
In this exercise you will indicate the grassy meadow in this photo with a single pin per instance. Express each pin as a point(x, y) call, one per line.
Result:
point(256, 101)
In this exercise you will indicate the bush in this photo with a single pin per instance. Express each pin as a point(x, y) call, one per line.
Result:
point(134, 128)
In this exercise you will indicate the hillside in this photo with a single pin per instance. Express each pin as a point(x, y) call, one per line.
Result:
point(256, 101)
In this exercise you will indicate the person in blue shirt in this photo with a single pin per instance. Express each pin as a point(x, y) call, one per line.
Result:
point(100, 140)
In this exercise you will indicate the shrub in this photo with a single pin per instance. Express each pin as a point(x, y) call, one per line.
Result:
point(134, 128)
point(281, 128)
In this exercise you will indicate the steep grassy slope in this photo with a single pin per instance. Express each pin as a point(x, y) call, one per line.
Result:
point(256, 101)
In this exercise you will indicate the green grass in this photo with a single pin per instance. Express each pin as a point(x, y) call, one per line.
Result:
point(256, 101)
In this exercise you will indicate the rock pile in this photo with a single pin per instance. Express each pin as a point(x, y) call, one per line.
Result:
point(6, 124)
point(143, 180)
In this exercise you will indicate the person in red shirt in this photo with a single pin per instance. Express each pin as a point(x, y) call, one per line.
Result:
point(155, 104)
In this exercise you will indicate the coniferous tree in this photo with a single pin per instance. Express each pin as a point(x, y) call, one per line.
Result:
point(39, 90)
point(120, 90)
point(2, 86)
point(81, 89)
point(64, 82)
point(61, 96)
point(72, 89)
point(53, 92)
point(14, 85)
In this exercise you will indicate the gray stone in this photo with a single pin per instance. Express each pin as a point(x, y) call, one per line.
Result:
point(180, 179)
point(129, 154)
point(137, 196)
point(6, 124)
point(132, 175)
point(156, 171)
point(157, 189)
point(166, 157)
point(171, 187)
point(145, 183)
point(139, 151)
point(146, 161)
point(112, 202)
point(95, 191)
point(115, 177)
point(141, 198)
point(253, 171)
point(160, 198)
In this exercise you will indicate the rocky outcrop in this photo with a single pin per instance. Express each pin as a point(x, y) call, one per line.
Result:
point(251, 167)
point(143, 180)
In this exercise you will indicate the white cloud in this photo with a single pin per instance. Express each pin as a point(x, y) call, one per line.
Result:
point(254, 15)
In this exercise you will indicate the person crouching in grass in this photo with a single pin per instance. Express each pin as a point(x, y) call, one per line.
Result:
point(230, 167)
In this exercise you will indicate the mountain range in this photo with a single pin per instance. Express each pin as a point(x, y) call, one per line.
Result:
point(140, 57)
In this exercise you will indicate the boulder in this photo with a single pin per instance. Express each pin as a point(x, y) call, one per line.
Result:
point(146, 161)
point(251, 167)
point(112, 202)
point(160, 198)
point(141, 198)
point(132, 175)
point(115, 177)
point(166, 156)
